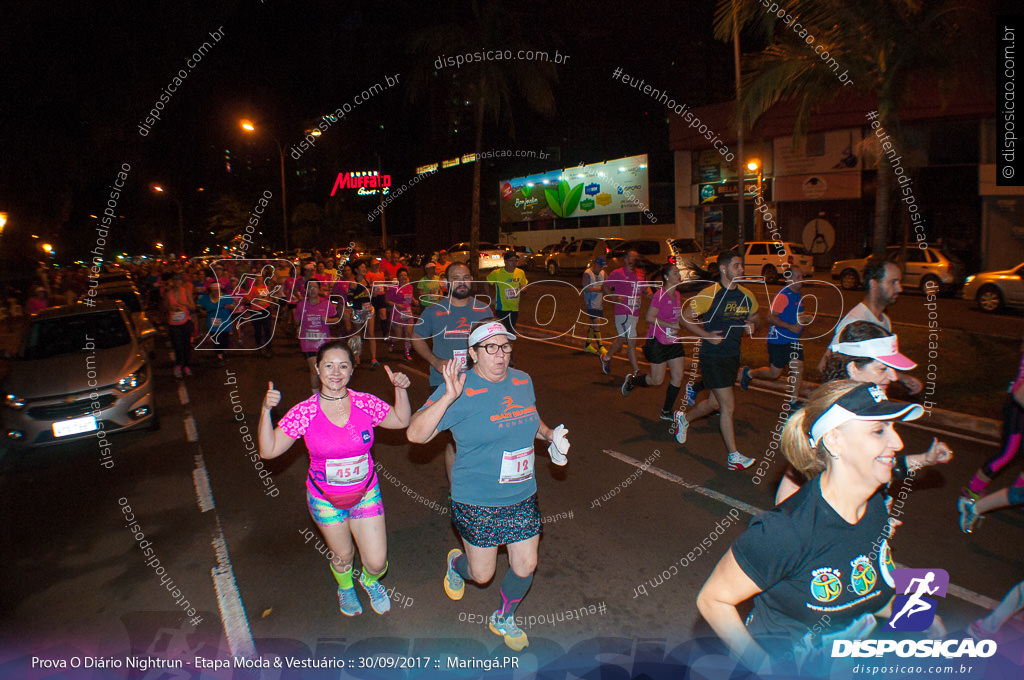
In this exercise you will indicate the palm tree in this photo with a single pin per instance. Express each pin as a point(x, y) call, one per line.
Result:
point(883, 45)
point(490, 87)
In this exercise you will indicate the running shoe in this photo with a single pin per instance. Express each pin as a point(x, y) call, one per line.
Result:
point(515, 639)
point(391, 345)
point(408, 356)
point(188, 371)
point(667, 415)
point(976, 631)
point(590, 349)
point(379, 599)
point(681, 426)
point(745, 379)
point(348, 602)
point(177, 372)
point(454, 585)
point(969, 495)
point(606, 365)
point(627, 385)
point(968, 517)
point(374, 365)
point(737, 461)
point(691, 395)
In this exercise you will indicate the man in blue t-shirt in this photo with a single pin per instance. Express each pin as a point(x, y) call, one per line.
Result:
point(446, 326)
point(784, 347)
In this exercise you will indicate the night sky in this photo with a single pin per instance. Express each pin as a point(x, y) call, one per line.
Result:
point(79, 78)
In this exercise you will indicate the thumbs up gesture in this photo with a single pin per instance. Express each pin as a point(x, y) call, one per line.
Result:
point(273, 397)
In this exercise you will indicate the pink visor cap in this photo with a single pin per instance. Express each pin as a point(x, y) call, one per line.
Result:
point(885, 349)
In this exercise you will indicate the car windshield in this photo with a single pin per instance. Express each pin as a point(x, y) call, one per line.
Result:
point(798, 249)
point(128, 298)
point(65, 335)
point(685, 245)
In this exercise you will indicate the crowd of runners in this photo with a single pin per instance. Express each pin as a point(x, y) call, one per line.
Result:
point(832, 504)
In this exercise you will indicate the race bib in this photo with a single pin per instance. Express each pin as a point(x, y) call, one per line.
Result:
point(511, 293)
point(315, 335)
point(670, 332)
point(216, 322)
point(633, 302)
point(179, 317)
point(343, 471)
point(516, 466)
point(460, 356)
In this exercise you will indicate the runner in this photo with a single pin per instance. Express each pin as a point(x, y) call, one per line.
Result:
point(817, 553)
point(363, 317)
point(726, 308)
point(508, 282)
point(784, 347)
point(868, 353)
point(881, 289)
point(375, 281)
point(400, 300)
point(447, 325)
point(972, 510)
point(593, 282)
point(218, 310)
point(428, 289)
point(624, 284)
point(490, 409)
point(341, 487)
point(663, 346)
point(1013, 433)
point(313, 316)
point(180, 309)
point(986, 628)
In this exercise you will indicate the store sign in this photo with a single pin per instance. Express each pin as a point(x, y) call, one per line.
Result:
point(366, 183)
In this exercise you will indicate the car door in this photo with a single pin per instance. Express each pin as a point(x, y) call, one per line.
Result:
point(584, 254)
point(914, 268)
point(756, 258)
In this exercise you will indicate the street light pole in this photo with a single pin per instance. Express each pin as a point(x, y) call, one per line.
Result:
point(284, 198)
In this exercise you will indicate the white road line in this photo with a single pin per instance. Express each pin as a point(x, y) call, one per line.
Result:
point(182, 394)
point(190, 428)
point(204, 494)
point(956, 591)
point(935, 430)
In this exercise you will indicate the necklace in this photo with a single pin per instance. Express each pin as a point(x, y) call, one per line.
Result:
point(328, 398)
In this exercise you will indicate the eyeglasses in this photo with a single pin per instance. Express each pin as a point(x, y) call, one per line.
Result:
point(492, 349)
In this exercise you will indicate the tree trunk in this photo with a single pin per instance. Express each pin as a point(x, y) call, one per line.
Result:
point(474, 224)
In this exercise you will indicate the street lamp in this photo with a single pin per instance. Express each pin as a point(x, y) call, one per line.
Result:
point(249, 127)
point(755, 166)
point(181, 218)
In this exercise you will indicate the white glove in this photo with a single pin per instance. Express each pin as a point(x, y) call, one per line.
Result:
point(559, 445)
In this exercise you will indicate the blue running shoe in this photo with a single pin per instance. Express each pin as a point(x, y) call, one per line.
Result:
point(348, 602)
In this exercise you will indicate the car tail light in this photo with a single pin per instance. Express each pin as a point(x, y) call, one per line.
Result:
point(672, 259)
point(791, 259)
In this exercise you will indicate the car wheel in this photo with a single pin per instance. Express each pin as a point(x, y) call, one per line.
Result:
point(990, 299)
point(927, 282)
point(552, 268)
point(849, 279)
point(770, 274)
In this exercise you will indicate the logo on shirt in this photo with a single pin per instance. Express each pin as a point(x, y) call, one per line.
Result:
point(913, 611)
point(863, 577)
point(459, 330)
point(512, 411)
point(826, 584)
point(366, 436)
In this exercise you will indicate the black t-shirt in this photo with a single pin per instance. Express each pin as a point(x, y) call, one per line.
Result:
point(817, 573)
point(725, 310)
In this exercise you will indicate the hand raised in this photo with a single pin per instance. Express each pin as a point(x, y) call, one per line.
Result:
point(272, 398)
point(454, 379)
point(399, 380)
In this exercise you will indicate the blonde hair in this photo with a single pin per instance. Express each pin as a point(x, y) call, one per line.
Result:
point(796, 435)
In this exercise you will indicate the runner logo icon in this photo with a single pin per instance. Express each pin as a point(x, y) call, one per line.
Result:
point(912, 610)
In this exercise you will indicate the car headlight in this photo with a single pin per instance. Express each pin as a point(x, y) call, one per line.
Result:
point(969, 278)
point(132, 380)
point(14, 401)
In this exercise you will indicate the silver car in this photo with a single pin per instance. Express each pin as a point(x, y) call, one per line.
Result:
point(77, 370)
point(490, 255)
point(995, 290)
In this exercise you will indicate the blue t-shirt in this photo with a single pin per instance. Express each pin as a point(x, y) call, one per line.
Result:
point(787, 306)
point(494, 426)
point(449, 327)
point(218, 312)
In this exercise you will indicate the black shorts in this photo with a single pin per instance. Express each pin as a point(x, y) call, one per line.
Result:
point(719, 372)
point(379, 302)
point(657, 353)
point(779, 356)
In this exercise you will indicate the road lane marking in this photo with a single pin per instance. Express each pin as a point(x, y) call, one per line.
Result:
point(190, 428)
point(204, 494)
point(956, 591)
point(182, 394)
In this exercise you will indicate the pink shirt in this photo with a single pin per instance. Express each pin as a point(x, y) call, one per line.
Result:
point(401, 297)
point(312, 320)
point(339, 457)
point(668, 304)
point(624, 285)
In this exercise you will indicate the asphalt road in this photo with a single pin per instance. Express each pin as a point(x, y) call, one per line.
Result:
point(76, 581)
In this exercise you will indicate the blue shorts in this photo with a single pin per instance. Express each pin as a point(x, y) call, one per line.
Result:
point(325, 514)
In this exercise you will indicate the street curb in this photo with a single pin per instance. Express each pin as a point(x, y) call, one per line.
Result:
point(962, 422)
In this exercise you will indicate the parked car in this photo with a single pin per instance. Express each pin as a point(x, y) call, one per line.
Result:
point(577, 255)
point(921, 267)
point(539, 259)
point(995, 290)
point(654, 253)
point(687, 256)
point(128, 295)
point(525, 254)
point(491, 256)
point(77, 369)
point(771, 259)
